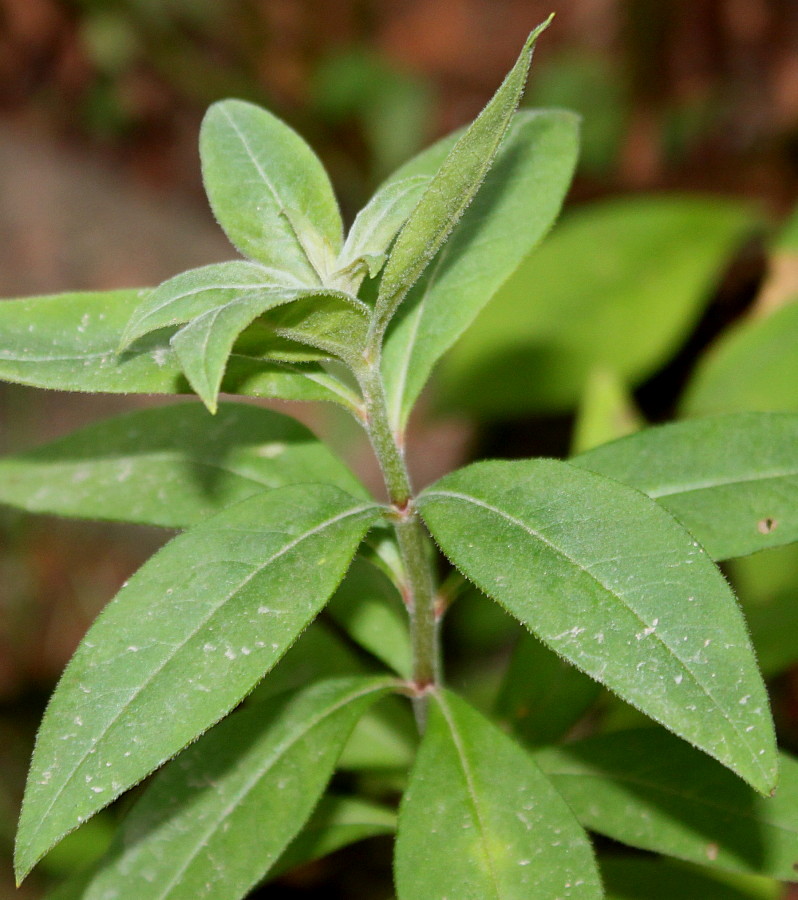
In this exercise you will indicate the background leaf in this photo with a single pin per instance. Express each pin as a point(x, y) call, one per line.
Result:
point(606, 412)
point(542, 696)
point(237, 796)
point(367, 605)
point(180, 646)
point(254, 167)
point(170, 466)
point(618, 284)
point(629, 878)
point(337, 822)
point(731, 480)
point(609, 580)
point(479, 821)
point(513, 209)
point(752, 366)
point(650, 790)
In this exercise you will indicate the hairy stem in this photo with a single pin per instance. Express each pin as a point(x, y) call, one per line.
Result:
point(412, 537)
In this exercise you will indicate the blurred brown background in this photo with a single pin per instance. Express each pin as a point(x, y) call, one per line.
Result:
point(100, 105)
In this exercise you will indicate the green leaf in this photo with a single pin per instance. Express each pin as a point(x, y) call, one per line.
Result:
point(184, 641)
point(378, 222)
point(369, 608)
point(542, 696)
point(728, 479)
point(70, 342)
point(630, 878)
point(452, 189)
point(199, 291)
point(618, 284)
point(606, 412)
point(170, 466)
point(767, 585)
point(238, 796)
point(752, 366)
point(648, 789)
point(609, 580)
point(255, 167)
point(526, 184)
point(479, 821)
point(330, 323)
point(205, 344)
point(337, 822)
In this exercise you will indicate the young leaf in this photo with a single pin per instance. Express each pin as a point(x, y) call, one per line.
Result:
point(630, 878)
point(368, 607)
point(514, 208)
point(170, 466)
point(198, 291)
point(609, 580)
point(377, 223)
point(337, 822)
point(542, 696)
point(70, 342)
point(452, 189)
point(647, 789)
point(752, 366)
point(239, 795)
point(618, 284)
point(479, 821)
point(728, 479)
point(184, 641)
point(205, 344)
point(255, 167)
point(330, 323)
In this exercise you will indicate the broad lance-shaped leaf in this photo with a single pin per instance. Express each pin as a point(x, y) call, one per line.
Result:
point(215, 820)
point(205, 344)
point(198, 291)
point(190, 635)
point(171, 466)
point(451, 190)
point(70, 342)
point(730, 480)
point(609, 580)
point(480, 821)
point(512, 211)
point(254, 167)
point(376, 225)
point(647, 789)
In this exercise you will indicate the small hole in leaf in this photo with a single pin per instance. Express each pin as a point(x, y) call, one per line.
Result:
point(765, 526)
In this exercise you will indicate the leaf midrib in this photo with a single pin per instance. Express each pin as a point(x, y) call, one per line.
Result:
point(472, 791)
point(302, 730)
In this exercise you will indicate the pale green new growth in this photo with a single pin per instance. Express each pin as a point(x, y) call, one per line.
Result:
point(450, 191)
